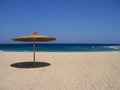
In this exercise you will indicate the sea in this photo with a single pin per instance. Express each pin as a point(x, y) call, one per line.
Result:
point(60, 47)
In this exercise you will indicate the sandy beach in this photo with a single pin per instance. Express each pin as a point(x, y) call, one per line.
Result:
point(63, 71)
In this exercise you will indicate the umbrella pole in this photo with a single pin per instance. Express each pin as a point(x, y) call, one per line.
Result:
point(34, 53)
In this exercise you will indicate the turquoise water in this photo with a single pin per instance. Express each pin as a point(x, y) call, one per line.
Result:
point(60, 47)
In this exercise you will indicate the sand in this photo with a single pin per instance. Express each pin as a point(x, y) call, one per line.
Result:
point(64, 71)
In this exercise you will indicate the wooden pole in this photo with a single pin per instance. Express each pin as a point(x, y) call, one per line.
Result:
point(34, 52)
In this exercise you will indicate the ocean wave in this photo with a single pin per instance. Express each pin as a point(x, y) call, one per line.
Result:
point(26, 51)
point(112, 47)
point(1, 50)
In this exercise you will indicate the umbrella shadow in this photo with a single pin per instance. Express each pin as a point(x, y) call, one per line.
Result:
point(30, 64)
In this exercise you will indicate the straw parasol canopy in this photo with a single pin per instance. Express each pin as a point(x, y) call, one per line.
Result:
point(34, 38)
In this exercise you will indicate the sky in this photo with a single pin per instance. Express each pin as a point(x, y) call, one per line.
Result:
point(70, 21)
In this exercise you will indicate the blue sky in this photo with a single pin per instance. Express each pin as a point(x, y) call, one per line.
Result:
point(70, 21)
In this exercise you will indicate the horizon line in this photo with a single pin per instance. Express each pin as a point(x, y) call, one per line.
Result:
point(60, 43)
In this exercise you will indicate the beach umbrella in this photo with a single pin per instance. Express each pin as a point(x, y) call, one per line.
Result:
point(34, 38)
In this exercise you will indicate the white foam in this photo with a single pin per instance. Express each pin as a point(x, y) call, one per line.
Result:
point(112, 47)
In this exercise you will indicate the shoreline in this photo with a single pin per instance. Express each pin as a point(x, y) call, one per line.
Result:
point(61, 52)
